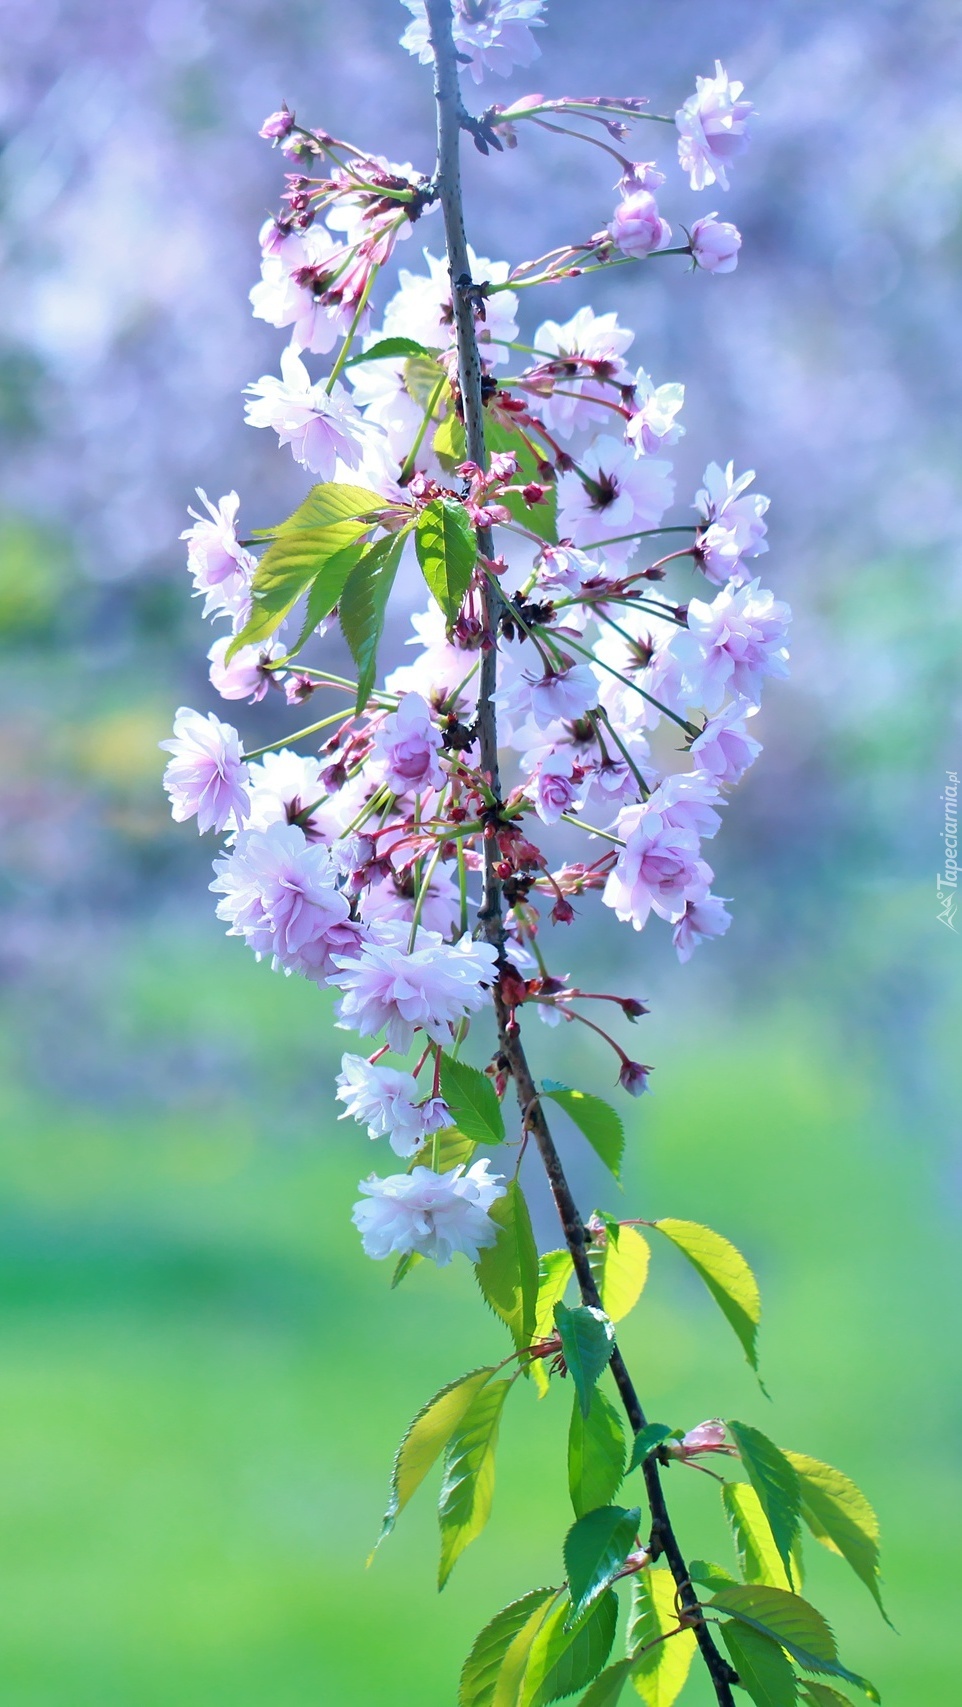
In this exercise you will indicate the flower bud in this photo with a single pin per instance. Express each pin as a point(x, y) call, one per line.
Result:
point(637, 227)
point(707, 1437)
point(633, 1078)
point(278, 125)
point(633, 1009)
point(715, 244)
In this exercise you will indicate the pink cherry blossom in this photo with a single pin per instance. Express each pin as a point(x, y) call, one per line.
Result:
point(627, 494)
point(280, 894)
point(407, 745)
point(640, 175)
point(659, 867)
point(556, 787)
point(701, 919)
point(583, 396)
point(391, 988)
point(434, 1214)
point(206, 775)
point(732, 523)
point(320, 428)
point(558, 695)
point(637, 227)
point(493, 35)
point(221, 567)
point(385, 1100)
point(724, 748)
point(733, 644)
point(715, 244)
point(421, 308)
point(440, 909)
point(712, 128)
point(652, 424)
point(245, 676)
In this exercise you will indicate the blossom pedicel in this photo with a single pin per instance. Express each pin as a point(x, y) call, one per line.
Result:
point(577, 699)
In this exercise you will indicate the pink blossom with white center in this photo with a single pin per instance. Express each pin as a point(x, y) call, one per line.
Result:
point(724, 748)
point(643, 655)
point(658, 868)
point(282, 786)
point(637, 228)
point(557, 787)
point(206, 775)
point(492, 35)
point(280, 894)
point(563, 568)
point(436, 1215)
point(296, 287)
point(587, 336)
point(628, 494)
point(687, 800)
point(558, 695)
point(712, 128)
point(441, 911)
point(652, 425)
point(407, 745)
point(733, 644)
point(640, 175)
point(222, 569)
point(245, 676)
point(384, 1099)
point(421, 309)
point(715, 244)
point(700, 920)
point(732, 523)
point(613, 782)
point(441, 668)
point(391, 988)
point(320, 429)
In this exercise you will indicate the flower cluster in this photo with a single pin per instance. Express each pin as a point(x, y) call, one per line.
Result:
point(358, 864)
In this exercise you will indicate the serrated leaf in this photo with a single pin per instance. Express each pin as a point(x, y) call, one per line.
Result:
point(606, 1689)
point(291, 565)
point(331, 580)
point(386, 348)
point(479, 1674)
point(726, 1274)
point(422, 376)
point(758, 1557)
point(595, 1549)
point(449, 1148)
point(404, 1266)
point(425, 1439)
point(565, 1658)
point(659, 1676)
point(450, 441)
point(839, 1515)
point(331, 501)
point(508, 1691)
point(508, 1270)
point(708, 1575)
point(620, 1270)
point(596, 1119)
point(587, 1342)
point(555, 1269)
point(473, 1101)
point(538, 518)
point(447, 551)
point(820, 1695)
point(646, 1440)
point(467, 1490)
point(362, 607)
point(596, 1454)
point(776, 1484)
point(794, 1623)
point(763, 1671)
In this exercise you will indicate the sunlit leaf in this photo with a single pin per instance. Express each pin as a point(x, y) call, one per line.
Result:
point(508, 1270)
point(331, 501)
point(839, 1515)
point(708, 1575)
point(596, 1454)
point(620, 1270)
point(450, 442)
point(659, 1675)
point(587, 1341)
point(763, 1671)
point(473, 1101)
point(422, 376)
point(595, 1549)
point(726, 1274)
point(447, 550)
point(319, 558)
point(362, 608)
point(776, 1484)
point(794, 1623)
point(386, 348)
point(479, 1674)
point(509, 1688)
point(426, 1437)
point(468, 1486)
point(565, 1657)
point(758, 1557)
point(596, 1119)
point(555, 1269)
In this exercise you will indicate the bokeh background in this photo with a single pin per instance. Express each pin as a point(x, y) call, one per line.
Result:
point(201, 1379)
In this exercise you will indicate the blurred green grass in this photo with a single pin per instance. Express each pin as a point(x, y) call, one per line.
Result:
point(202, 1380)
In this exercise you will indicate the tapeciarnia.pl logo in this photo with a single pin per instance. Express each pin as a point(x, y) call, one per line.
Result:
point(947, 881)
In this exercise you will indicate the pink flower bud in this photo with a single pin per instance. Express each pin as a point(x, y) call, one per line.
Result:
point(637, 227)
point(640, 175)
point(715, 244)
point(278, 125)
point(707, 1437)
point(633, 1078)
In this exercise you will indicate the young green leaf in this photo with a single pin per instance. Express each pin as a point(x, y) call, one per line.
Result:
point(820, 1695)
point(595, 1549)
point(596, 1454)
point(726, 1274)
point(421, 377)
point(587, 1342)
point(776, 1484)
point(597, 1120)
point(509, 1688)
point(508, 1270)
point(659, 1675)
point(362, 607)
point(538, 518)
point(468, 1486)
point(839, 1515)
point(447, 551)
point(386, 348)
point(758, 1557)
point(332, 501)
point(646, 1440)
point(426, 1438)
point(311, 557)
point(565, 1657)
point(763, 1671)
point(449, 1148)
point(332, 580)
point(792, 1622)
point(555, 1269)
point(479, 1674)
point(473, 1101)
point(404, 1266)
point(450, 442)
point(620, 1270)
point(709, 1575)
point(606, 1689)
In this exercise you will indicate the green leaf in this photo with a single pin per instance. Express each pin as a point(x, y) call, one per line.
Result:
point(333, 578)
point(659, 1675)
point(839, 1515)
point(447, 552)
point(726, 1274)
point(422, 374)
point(332, 501)
point(820, 1695)
point(606, 1689)
point(473, 1101)
point(479, 1674)
point(776, 1484)
point(426, 1438)
point(450, 441)
point(539, 518)
point(508, 1270)
point(597, 1120)
point(468, 1487)
point(758, 1557)
point(509, 1689)
point(596, 1454)
point(564, 1658)
point(362, 607)
point(620, 1270)
point(646, 1440)
point(321, 557)
point(555, 1269)
point(792, 1622)
point(709, 1575)
point(450, 1147)
point(763, 1671)
point(387, 347)
point(595, 1549)
point(587, 1342)
point(404, 1266)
